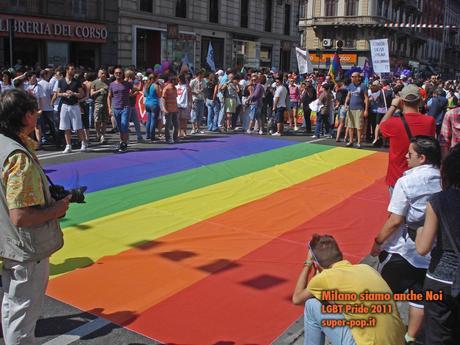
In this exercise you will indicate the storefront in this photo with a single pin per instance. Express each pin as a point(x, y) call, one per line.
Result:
point(52, 42)
point(246, 54)
point(347, 60)
point(153, 46)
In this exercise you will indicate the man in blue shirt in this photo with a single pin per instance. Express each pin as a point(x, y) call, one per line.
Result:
point(356, 104)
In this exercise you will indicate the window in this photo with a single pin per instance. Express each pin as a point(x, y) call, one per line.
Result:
point(18, 3)
point(244, 13)
point(287, 19)
point(385, 9)
point(181, 8)
point(79, 7)
point(214, 11)
point(146, 6)
point(351, 7)
point(331, 8)
point(268, 15)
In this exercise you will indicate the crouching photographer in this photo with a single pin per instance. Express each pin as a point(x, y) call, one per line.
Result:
point(29, 227)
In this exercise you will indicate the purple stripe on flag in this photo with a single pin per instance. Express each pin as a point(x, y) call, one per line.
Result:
point(115, 170)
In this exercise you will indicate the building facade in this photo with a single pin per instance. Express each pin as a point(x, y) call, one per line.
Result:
point(451, 57)
point(249, 33)
point(414, 28)
point(55, 32)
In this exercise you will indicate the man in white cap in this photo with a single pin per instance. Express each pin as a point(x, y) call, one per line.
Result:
point(395, 128)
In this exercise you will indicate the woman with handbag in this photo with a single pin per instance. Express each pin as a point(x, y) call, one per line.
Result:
point(442, 223)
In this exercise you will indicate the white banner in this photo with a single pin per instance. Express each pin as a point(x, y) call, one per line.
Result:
point(380, 55)
point(303, 61)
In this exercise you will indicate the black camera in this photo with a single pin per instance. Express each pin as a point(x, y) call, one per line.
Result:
point(59, 192)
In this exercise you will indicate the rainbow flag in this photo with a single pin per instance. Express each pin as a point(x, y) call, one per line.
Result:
point(335, 67)
point(202, 242)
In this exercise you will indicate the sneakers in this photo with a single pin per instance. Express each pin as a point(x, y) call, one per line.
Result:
point(349, 144)
point(84, 147)
point(248, 131)
point(68, 149)
point(314, 137)
point(261, 132)
point(102, 139)
point(358, 146)
point(123, 147)
point(194, 131)
point(277, 134)
point(296, 128)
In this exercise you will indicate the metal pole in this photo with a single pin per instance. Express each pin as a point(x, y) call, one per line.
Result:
point(11, 39)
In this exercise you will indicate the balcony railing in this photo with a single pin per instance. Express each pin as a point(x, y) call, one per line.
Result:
point(349, 20)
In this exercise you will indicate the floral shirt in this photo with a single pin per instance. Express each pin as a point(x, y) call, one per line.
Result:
point(21, 178)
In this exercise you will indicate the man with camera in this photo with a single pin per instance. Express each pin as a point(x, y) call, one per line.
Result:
point(29, 227)
point(395, 129)
point(400, 265)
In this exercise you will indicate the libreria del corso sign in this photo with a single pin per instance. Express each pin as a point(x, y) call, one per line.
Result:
point(51, 29)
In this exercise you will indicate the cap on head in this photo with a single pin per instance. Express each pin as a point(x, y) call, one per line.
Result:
point(410, 93)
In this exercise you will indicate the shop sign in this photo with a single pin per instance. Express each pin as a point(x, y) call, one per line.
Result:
point(51, 29)
point(345, 59)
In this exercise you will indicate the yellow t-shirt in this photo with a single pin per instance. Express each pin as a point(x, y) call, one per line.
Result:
point(21, 179)
point(343, 277)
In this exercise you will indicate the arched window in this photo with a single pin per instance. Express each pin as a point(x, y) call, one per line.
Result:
point(181, 8)
point(330, 8)
point(351, 7)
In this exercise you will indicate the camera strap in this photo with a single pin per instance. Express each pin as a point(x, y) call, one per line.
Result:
point(406, 126)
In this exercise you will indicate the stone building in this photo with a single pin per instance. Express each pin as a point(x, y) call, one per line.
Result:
point(55, 32)
point(250, 33)
point(354, 22)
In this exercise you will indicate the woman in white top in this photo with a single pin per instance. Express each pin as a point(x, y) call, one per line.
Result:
point(6, 83)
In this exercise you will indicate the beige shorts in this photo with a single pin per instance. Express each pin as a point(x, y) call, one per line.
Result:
point(101, 113)
point(355, 119)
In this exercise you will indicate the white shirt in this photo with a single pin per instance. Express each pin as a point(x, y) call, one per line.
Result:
point(48, 91)
point(37, 91)
point(409, 199)
point(198, 87)
point(182, 96)
point(55, 88)
point(5, 87)
point(280, 92)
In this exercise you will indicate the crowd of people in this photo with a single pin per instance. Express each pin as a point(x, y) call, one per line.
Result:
point(73, 100)
point(417, 247)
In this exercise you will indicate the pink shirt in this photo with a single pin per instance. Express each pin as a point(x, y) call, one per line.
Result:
point(294, 94)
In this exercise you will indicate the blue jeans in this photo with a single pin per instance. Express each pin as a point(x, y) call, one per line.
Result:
point(213, 114)
point(90, 107)
point(320, 121)
point(314, 331)
point(122, 117)
point(134, 119)
point(152, 117)
point(197, 111)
